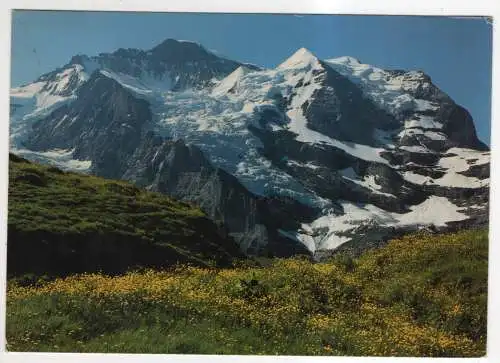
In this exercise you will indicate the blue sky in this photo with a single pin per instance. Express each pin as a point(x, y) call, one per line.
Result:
point(456, 53)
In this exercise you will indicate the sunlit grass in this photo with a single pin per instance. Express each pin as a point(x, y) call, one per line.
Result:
point(63, 222)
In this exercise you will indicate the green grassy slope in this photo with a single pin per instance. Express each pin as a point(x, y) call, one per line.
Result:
point(61, 222)
point(421, 295)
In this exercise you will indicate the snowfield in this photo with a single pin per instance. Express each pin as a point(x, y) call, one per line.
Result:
point(433, 211)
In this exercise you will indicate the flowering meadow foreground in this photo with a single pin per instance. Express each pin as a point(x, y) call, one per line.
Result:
point(421, 295)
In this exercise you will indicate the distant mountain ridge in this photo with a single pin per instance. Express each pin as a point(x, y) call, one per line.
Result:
point(314, 155)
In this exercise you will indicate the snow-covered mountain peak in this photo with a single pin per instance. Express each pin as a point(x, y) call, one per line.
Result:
point(231, 83)
point(382, 79)
point(171, 65)
point(320, 152)
point(347, 60)
point(409, 96)
point(302, 58)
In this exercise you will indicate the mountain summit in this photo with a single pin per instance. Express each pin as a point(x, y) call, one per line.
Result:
point(302, 58)
point(315, 156)
point(176, 52)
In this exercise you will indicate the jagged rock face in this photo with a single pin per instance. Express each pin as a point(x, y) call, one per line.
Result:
point(459, 127)
point(173, 168)
point(314, 155)
point(338, 109)
point(429, 116)
point(173, 64)
point(103, 125)
point(325, 176)
point(182, 171)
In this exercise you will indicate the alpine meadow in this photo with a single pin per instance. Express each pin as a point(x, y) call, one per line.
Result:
point(170, 199)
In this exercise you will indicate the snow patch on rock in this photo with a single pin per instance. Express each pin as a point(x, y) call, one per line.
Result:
point(58, 157)
point(332, 230)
